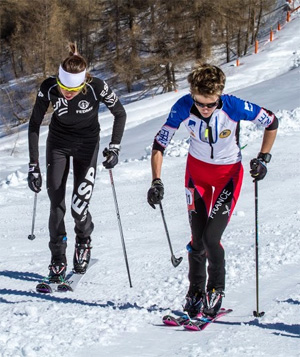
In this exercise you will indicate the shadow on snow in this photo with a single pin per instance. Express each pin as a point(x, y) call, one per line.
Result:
point(285, 330)
point(20, 275)
point(292, 301)
point(68, 300)
point(33, 277)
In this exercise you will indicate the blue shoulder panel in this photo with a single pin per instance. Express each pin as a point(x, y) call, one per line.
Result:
point(238, 109)
point(180, 111)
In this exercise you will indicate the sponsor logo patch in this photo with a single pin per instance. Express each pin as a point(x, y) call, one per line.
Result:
point(248, 106)
point(84, 107)
point(81, 198)
point(221, 202)
point(264, 119)
point(192, 125)
point(83, 104)
point(224, 134)
point(61, 106)
point(189, 193)
point(163, 137)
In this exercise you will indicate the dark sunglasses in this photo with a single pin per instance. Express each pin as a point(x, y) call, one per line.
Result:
point(208, 105)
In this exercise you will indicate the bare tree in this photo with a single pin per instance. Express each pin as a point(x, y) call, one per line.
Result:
point(135, 43)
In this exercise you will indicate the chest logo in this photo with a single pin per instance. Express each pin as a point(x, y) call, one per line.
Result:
point(83, 104)
point(224, 134)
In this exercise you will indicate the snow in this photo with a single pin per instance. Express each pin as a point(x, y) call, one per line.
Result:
point(104, 316)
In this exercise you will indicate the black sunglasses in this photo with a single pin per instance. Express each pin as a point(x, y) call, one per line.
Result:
point(208, 105)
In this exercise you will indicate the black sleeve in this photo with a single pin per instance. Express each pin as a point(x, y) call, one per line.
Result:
point(113, 103)
point(157, 146)
point(119, 122)
point(39, 110)
point(275, 122)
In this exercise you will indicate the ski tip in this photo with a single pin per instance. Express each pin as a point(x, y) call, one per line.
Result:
point(191, 326)
point(170, 320)
point(43, 288)
point(64, 287)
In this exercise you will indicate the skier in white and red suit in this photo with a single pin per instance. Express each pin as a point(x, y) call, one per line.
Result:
point(214, 174)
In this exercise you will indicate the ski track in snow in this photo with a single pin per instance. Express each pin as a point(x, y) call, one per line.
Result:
point(104, 316)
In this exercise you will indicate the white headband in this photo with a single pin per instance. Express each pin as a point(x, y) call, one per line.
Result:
point(71, 80)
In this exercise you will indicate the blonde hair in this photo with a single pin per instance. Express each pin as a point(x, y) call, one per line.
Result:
point(206, 80)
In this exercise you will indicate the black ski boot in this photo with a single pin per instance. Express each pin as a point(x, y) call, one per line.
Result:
point(82, 256)
point(57, 271)
point(213, 302)
point(194, 303)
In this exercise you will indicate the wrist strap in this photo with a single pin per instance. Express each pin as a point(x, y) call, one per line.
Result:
point(157, 181)
point(266, 157)
point(115, 146)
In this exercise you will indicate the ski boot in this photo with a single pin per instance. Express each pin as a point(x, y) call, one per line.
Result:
point(194, 303)
point(57, 272)
point(82, 256)
point(213, 302)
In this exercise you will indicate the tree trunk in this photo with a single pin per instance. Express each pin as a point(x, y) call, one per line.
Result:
point(258, 20)
point(227, 44)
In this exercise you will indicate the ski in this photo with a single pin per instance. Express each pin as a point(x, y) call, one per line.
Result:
point(202, 322)
point(69, 284)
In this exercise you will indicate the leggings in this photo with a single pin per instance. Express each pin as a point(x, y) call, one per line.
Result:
point(84, 173)
point(212, 192)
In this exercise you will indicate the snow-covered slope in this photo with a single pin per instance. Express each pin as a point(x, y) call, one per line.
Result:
point(104, 316)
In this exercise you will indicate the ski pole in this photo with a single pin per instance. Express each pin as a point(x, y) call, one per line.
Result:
point(32, 236)
point(175, 261)
point(120, 225)
point(256, 313)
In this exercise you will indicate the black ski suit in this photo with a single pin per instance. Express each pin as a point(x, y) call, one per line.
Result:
point(73, 132)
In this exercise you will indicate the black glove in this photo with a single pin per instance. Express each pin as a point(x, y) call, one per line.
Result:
point(34, 178)
point(258, 166)
point(111, 154)
point(155, 192)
